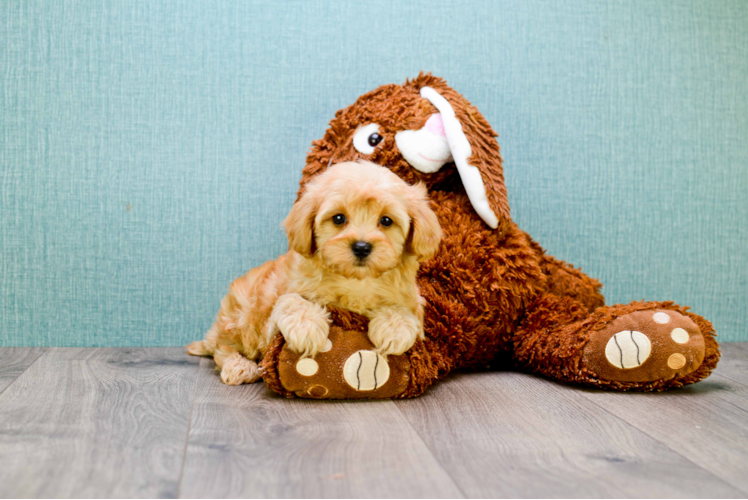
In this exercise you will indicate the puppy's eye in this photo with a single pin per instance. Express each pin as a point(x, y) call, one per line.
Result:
point(366, 138)
point(338, 219)
point(385, 221)
point(375, 139)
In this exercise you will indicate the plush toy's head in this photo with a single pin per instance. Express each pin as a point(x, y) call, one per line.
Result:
point(423, 131)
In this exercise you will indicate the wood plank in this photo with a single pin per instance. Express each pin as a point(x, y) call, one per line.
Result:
point(14, 361)
point(734, 362)
point(514, 435)
point(248, 442)
point(97, 423)
point(705, 422)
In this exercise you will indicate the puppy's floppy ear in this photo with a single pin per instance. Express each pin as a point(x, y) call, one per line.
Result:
point(299, 224)
point(425, 231)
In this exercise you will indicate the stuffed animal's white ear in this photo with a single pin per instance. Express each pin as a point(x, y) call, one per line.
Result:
point(441, 140)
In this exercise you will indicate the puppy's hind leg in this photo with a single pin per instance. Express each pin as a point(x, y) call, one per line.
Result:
point(199, 348)
point(236, 363)
point(235, 368)
point(207, 346)
point(239, 370)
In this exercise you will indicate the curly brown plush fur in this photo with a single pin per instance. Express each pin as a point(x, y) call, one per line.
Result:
point(493, 296)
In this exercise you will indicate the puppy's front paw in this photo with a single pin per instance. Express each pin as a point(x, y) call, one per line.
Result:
point(304, 325)
point(305, 336)
point(394, 331)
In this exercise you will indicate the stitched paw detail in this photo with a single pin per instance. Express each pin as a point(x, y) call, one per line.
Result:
point(645, 346)
point(628, 349)
point(366, 370)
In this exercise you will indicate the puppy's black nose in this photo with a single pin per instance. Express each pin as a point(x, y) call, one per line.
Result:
point(361, 249)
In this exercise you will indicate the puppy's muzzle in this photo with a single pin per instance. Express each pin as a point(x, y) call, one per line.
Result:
point(361, 249)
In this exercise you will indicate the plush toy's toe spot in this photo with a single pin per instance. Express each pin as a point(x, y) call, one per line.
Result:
point(366, 370)
point(679, 335)
point(676, 361)
point(628, 349)
point(661, 317)
point(317, 391)
point(327, 347)
point(307, 367)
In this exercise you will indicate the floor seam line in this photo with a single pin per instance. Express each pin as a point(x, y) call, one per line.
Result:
point(46, 349)
point(727, 401)
point(436, 459)
point(730, 378)
point(189, 429)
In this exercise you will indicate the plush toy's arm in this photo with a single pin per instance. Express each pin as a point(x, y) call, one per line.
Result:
point(349, 367)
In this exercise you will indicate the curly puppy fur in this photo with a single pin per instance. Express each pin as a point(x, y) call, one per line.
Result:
point(356, 238)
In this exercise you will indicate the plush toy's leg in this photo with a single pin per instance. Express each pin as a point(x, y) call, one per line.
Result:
point(646, 346)
point(564, 280)
point(348, 367)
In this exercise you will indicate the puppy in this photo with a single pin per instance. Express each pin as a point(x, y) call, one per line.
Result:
point(355, 236)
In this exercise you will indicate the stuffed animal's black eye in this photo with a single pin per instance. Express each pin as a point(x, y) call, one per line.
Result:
point(375, 139)
point(338, 219)
point(366, 138)
point(385, 221)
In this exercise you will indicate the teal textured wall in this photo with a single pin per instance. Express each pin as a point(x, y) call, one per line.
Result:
point(149, 149)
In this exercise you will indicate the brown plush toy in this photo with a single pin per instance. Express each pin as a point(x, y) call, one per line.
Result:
point(493, 296)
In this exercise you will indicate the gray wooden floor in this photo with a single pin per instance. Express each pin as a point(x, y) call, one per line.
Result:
point(153, 422)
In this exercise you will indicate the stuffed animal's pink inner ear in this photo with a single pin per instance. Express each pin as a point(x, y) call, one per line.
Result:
point(435, 125)
point(461, 150)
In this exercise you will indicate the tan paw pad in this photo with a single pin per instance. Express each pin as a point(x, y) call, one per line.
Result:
point(676, 361)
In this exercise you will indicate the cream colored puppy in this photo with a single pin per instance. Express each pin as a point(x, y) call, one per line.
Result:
point(356, 236)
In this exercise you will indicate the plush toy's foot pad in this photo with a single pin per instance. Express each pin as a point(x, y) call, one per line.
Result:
point(645, 346)
point(347, 369)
